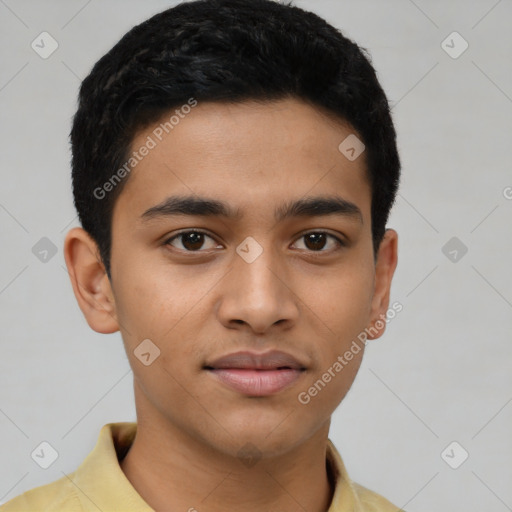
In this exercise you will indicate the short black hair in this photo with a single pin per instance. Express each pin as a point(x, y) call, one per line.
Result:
point(223, 51)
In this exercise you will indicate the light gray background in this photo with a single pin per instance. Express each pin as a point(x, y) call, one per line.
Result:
point(441, 373)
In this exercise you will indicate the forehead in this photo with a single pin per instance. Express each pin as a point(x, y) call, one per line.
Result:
point(251, 155)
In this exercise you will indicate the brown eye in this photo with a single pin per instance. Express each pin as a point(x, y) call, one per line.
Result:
point(317, 241)
point(191, 241)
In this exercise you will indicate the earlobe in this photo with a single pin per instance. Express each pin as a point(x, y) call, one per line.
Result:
point(387, 259)
point(90, 282)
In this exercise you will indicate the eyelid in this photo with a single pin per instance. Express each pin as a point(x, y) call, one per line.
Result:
point(339, 240)
point(189, 230)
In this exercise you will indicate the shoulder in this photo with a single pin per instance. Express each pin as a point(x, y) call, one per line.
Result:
point(56, 496)
point(373, 502)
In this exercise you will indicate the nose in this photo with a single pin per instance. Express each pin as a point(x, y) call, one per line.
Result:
point(258, 294)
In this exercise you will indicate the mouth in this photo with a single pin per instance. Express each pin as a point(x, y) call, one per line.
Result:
point(255, 374)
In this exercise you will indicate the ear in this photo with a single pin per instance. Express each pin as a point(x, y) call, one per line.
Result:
point(90, 282)
point(387, 258)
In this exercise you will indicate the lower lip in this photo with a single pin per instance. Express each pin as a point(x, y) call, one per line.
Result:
point(257, 382)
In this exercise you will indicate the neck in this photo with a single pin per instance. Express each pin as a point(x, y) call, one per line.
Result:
point(172, 471)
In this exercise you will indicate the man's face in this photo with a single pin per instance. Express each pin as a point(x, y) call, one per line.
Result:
point(254, 282)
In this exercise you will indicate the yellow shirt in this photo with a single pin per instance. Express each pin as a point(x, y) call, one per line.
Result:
point(100, 484)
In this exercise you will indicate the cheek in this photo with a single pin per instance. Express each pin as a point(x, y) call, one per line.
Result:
point(150, 302)
point(157, 307)
point(326, 389)
point(342, 299)
point(343, 304)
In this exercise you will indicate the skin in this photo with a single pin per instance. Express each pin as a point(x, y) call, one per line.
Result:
point(305, 299)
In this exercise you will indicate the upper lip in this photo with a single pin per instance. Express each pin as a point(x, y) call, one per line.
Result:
point(270, 360)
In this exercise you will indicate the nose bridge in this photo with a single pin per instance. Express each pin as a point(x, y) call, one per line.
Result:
point(255, 268)
point(257, 293)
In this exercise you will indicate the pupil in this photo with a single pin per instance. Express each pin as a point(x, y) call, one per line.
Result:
point(317, 239)
point(193, 241)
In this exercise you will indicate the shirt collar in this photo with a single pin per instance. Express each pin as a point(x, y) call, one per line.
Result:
point(345, 498)
point(101, 483)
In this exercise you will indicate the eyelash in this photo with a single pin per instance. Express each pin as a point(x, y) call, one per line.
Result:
point(341, 243)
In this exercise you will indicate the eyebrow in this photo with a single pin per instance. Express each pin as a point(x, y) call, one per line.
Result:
point(205, 207)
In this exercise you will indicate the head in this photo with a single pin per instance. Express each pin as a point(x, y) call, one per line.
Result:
point(221, 211)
